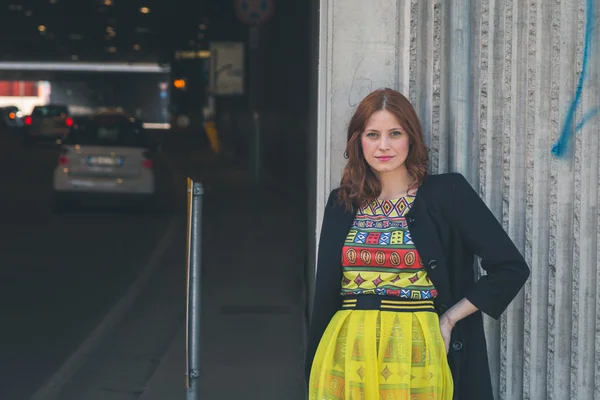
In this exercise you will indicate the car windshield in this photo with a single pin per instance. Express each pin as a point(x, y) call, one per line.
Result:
point(49, 111)
point(107, 131)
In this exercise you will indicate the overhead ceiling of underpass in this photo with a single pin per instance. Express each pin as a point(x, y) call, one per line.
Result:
point(46, 74)
point(105, 30)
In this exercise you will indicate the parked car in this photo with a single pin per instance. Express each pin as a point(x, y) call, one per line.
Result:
point(11, 117)
point(108, 159)
point(47, 123)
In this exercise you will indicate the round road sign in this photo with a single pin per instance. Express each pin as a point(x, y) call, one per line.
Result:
point(254, 12)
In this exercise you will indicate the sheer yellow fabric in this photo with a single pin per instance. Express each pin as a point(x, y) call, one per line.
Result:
point(381, 355)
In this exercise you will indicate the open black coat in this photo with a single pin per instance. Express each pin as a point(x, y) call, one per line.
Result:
point(449, 225)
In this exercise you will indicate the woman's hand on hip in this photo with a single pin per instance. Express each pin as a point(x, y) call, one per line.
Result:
point(460, 310)
point(446, 326)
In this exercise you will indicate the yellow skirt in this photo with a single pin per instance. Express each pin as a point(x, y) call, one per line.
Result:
point(381, 355)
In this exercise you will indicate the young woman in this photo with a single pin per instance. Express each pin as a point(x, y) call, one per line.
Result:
point(399, 317)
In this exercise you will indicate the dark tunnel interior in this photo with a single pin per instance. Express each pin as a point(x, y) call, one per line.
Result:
point(107, 107)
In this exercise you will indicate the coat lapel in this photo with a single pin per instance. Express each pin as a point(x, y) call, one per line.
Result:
point(344, 220)
point(425, 239)
point(334, 231)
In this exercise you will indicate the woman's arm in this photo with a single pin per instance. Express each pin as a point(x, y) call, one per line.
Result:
point(481, 233)
point(460, 310)
point(328, 282)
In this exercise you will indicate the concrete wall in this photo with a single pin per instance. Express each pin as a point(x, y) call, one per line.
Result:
point(138, 94)
point(73, 93)
point(492, 81)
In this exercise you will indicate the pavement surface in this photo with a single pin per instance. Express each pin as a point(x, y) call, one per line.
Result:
point(94, 300)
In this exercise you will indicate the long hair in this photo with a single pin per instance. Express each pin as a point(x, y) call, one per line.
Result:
point(360, 185)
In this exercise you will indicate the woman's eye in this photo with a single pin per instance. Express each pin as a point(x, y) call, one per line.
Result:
point(396, 133)
point(371, 134)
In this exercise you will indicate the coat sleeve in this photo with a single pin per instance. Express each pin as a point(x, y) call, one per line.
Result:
point(506, 270)
point(327, 299)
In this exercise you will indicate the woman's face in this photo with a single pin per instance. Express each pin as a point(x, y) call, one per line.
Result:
point(385, 144)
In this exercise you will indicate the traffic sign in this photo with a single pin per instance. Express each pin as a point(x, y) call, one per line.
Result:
point(254, 12)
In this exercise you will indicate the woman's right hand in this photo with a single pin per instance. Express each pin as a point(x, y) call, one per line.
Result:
point(446, 326)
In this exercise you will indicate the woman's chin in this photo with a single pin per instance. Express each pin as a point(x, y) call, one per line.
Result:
point(384, 169)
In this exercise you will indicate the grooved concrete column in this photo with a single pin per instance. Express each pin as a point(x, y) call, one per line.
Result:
point(493, 82)
point(363, 46)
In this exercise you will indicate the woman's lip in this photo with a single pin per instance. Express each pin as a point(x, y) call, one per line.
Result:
point(384, 158)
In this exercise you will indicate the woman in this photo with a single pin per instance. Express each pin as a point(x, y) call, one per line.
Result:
point(400, 316)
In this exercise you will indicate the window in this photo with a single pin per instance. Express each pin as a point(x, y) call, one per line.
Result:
point(108, 131)
point(50, 111)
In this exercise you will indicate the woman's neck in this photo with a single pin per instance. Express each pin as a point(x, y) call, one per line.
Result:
point(394, 184)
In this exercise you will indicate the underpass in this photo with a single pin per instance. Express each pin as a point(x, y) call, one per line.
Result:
point(60, 273)
point(140, 89)
point(96, 296)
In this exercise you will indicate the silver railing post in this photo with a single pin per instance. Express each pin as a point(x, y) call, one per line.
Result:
point(195, 191)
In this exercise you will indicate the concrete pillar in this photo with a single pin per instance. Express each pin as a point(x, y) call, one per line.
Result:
point(362, 47)
point(359, 51)
point(492, 82)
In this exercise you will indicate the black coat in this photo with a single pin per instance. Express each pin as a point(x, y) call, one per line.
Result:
point(449, 225)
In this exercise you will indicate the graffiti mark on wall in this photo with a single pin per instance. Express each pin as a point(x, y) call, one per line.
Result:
point(560, 147)
point(362, 84)
point(360, 87)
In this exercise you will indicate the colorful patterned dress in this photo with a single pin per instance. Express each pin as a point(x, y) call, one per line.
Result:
point(393, 350)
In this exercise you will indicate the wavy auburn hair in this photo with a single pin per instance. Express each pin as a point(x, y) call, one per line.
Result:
point(360, 185)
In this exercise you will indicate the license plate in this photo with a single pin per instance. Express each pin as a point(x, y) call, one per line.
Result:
point(88, 184)
point(107, 161)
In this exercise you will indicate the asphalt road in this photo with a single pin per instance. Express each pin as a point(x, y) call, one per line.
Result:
point(61, 273)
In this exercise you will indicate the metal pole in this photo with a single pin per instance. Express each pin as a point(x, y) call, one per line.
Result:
point(194, 252)
point(254, 90)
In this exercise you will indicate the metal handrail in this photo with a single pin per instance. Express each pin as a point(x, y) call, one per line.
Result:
point(195, 192)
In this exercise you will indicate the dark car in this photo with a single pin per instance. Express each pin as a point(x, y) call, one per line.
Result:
point(11, 117)
point(47, 123)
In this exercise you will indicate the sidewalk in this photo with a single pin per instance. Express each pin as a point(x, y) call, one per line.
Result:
point(252, 302)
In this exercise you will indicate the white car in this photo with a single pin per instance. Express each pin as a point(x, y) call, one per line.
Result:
point(107, 158)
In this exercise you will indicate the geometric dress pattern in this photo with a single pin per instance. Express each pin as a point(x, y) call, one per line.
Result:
point(379, 256)
point(377, 354)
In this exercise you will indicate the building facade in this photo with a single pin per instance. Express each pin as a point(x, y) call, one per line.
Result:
point(495, 83)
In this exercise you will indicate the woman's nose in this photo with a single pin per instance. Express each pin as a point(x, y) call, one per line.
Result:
point(384, 143)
